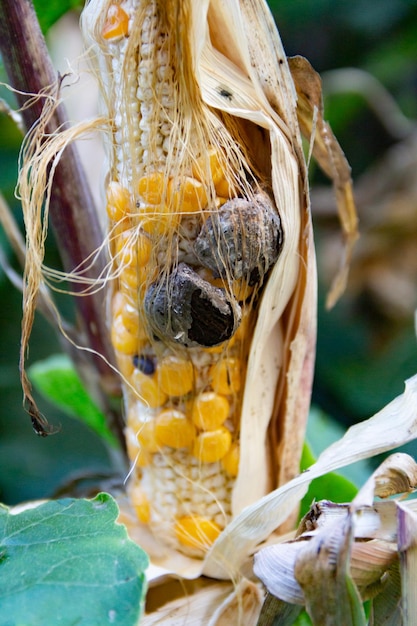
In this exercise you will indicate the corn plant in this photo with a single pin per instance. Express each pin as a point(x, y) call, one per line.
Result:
point(200, 293)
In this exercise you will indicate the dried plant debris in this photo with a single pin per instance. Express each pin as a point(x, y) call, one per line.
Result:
point(354, 548)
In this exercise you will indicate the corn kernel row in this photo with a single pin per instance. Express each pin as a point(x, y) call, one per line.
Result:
point(183, 403)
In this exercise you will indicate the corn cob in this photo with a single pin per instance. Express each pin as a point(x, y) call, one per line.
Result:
point(194, 232)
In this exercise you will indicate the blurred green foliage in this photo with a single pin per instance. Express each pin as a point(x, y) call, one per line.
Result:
point(353, 378)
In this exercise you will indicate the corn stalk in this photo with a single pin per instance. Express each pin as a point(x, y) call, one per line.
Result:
point(71, 208)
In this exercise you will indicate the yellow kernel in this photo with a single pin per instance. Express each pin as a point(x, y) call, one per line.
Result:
point(216, 349)
point(194, 531)
point(225, 376)
point(230, 461)
point(211, 446)
point(123, 341)
point(117, 303)
point(125, 364)
point(116, 24)
point(135, 452)
point(148, 389)
point(187, 195)
point(133, 282)
point(152, 188)
point(130, 317)
point(146, 436)
point(158, 220)
point(223, 188)
point(242, 290)
point(211, 160)
point(141, 505)
point(133, 249)
point(210, 410)
point(173, 429)
point(118, 201)
point(127, 309)
point(244, 327)
point(175, 375)
point(239, 288)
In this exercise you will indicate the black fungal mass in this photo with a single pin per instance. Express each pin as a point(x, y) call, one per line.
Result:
point(187, 309)
point(241, 240)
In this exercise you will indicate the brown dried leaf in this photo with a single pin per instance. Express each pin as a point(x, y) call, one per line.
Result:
point(331, 159)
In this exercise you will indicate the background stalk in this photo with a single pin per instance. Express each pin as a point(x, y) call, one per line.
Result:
point(72, 212)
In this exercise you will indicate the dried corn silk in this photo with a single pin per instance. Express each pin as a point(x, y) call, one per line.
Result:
point(206, 229)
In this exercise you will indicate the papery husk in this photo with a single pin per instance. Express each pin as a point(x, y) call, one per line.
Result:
point(393, 426)
point(330, 157)
point(407, 546)
point(343, 550)
point(203, 602)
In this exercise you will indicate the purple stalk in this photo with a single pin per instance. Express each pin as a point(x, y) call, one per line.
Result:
point(72, 212)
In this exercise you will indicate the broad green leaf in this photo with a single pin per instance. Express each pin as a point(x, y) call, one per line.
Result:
point(331, 486)
point(303, 620)
point(68, 562)
point(57, 380)
point(322, 431)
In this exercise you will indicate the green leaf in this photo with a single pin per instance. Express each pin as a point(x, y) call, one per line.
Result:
point(322, 431)
point(49, 12)
point(68, 562)
point(57, 380)
point(331, 486)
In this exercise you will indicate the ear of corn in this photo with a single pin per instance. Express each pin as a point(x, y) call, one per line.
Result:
point(212, 311)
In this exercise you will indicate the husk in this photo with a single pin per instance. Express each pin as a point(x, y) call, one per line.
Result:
point(407, 545)
point(339, 553)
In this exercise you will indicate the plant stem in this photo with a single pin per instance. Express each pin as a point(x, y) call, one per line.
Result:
point(72, 212)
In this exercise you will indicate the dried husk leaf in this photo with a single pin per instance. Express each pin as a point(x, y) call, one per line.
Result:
point(386, 607)
point(331, 159)
point(397, 474)
point(351, 546)
point(275, 565)
point(391, 427)
point(407, 546)
point(274, 611)
point(322, 570)
point(369, 561)
point(203, 602)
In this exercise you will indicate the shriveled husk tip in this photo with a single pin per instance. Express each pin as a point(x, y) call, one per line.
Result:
point(353, 547)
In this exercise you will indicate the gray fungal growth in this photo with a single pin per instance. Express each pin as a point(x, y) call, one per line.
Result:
point(242, 240)
point(188, 310)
